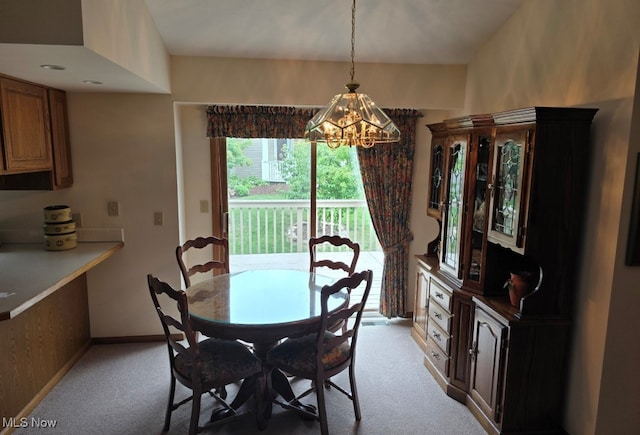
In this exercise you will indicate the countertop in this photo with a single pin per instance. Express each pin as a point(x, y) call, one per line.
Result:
point(29, 273)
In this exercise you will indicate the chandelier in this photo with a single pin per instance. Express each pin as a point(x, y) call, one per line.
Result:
point(351, 118)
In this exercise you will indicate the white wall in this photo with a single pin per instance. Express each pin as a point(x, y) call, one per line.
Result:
point(305, 83)
point(584, 53)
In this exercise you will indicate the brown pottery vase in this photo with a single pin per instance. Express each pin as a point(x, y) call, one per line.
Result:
point(519, 287)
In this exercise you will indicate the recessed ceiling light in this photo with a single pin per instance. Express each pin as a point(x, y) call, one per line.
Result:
point(92, 82)
point(53, 67)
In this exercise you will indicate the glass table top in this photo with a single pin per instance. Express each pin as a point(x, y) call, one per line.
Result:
point(261, 297)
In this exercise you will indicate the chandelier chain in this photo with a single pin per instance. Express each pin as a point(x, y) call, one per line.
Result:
point(353, 40)
point(351, 118)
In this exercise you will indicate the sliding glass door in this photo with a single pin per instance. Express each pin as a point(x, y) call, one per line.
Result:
point(270, 195)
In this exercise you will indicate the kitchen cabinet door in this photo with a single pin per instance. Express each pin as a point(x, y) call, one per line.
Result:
point(62, 169)
point(26, 127)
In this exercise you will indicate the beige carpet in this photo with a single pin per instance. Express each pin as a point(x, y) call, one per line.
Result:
point(123, 389)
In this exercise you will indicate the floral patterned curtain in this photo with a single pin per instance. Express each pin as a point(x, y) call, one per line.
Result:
point(257, 121)
point(387, 171)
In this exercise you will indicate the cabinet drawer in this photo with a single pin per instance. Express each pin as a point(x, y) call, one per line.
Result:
point(440, 337)
point(437, 357)
point(440, 316)
point(440, 294)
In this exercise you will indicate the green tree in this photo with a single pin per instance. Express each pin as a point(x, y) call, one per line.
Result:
point(235, 153)
point(338, 177)
point(235, 158)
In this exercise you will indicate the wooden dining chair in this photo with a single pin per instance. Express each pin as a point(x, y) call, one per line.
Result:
point(330, 259)
point(203, 366)
point(219, 256)
point(323, 354)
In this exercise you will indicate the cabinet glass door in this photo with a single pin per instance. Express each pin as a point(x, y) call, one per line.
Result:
point(452, 224)
point(479, 183)
point(436, 180)
point(506, 210)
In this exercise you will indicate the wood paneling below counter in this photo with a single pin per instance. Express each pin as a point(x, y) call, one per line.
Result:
point(40, 345)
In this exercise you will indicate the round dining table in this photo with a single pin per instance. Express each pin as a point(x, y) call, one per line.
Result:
point(262, 307)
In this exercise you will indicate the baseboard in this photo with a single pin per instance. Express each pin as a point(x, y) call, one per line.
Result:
point(133, 339)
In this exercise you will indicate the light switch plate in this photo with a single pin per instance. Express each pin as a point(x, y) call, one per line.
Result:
point(157, 218)
point(204, 206)
point(113, 208)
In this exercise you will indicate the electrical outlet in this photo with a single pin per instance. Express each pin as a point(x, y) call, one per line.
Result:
point(157, 218)
point(113, 208)
point(204, 206)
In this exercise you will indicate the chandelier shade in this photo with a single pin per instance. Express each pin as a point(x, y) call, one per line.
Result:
point(351, 118)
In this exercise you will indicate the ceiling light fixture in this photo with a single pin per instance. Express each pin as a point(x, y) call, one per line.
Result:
point(53, 67)
point(351, 118)
point(92, 82)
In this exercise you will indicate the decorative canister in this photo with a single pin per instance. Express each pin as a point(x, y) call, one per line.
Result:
point(57, 213)
point(60, 242)
point(59, 228)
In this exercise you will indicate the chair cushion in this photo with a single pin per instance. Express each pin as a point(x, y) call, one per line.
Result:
point(298, 355)
point(223, 362)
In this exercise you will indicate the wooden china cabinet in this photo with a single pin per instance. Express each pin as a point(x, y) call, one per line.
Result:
point(509, 193)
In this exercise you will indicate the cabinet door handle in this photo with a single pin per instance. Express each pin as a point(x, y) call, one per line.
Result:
point(435, 355)
point(439, 295)
point(474, 350)
point(437, 316)
point(436, 335)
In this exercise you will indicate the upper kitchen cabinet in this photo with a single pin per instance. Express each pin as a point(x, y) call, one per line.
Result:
point(35, 140)
point(26, 128)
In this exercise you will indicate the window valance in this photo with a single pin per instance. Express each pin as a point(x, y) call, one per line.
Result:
point(274, 121)
point(257, 121)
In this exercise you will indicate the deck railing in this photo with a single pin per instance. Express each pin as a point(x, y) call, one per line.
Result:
point(281, 226)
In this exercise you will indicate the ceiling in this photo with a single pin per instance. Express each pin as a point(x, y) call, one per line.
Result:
point(398, 31)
